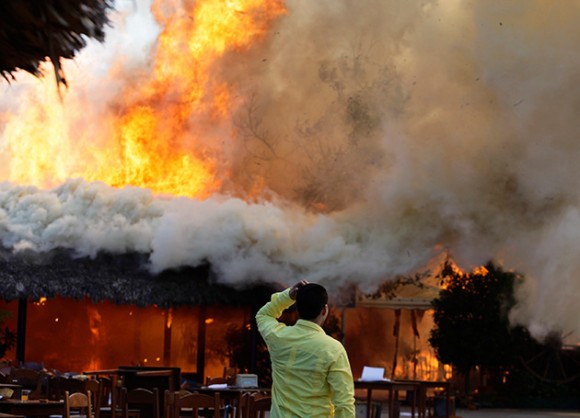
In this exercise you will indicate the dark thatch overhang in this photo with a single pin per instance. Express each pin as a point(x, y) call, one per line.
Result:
point(32, 31)
point(122, 279)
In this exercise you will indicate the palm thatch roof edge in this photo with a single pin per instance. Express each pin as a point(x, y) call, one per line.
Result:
point(119, 278)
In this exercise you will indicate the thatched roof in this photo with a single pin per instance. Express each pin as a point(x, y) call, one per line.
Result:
point(32, 31)
point(119, 278)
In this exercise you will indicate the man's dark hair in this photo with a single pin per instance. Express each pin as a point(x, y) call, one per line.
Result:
point(310, 300)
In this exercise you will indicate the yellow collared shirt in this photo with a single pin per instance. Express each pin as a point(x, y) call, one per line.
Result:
point(310, 370)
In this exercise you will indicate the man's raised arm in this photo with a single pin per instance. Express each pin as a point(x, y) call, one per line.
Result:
point(267, 316)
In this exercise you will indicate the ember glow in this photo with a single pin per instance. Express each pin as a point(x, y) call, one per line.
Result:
point(333, 140)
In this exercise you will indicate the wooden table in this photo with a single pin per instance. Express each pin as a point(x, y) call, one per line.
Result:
point(16, 389)
point(3, 415)
point(424, 385)
point(32, 408)
point(393, 387)
point(100, 372)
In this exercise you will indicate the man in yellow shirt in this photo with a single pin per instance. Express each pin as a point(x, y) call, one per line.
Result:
point(311, 375)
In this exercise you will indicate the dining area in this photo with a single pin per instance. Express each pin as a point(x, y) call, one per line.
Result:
point(375, 392)
point(128, 392)
point(23, 394)
point(162, 392)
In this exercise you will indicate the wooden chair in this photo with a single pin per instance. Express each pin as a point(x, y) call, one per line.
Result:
point(190, 405)
point(258, 406)
point(144, 400)
point(61, 387)
point(118, 407)
point(242, 409)
point(243, 406)
point(56, 388)
point(93, 387)
point(228, 410)
point(108, 395)
point(78, 405)
point(106, 390)
point(169, 399)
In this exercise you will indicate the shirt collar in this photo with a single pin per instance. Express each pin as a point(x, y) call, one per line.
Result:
point(309, 324)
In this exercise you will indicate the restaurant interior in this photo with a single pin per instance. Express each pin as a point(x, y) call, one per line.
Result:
point(200, 343)
point(102, 335)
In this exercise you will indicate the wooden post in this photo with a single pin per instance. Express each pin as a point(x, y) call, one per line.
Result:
point(167, 337)
point(21, 331)
point(201, 343)
point(253, 340)
point(396, 333)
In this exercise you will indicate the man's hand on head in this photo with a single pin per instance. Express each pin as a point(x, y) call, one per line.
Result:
point(296, 287)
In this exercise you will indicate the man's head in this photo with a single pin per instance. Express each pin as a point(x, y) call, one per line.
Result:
point(311, 300)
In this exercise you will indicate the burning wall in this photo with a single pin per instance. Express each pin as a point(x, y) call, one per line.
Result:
point(415, 357)
point(334, 140)
point(79, 335)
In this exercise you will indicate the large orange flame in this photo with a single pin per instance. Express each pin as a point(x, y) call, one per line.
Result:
point(147, 138)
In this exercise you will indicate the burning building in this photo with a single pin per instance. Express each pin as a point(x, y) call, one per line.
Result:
point(346, 143)
point(86, 314)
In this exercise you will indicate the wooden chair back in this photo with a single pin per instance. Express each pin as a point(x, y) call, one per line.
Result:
point(242, 410)
point(169, 399)
point(258, 406)
point(77, 404)
point(190, 405)
point(93, 387)
point(56, 388)
point(145, 400)
point(119, 407)
point(106, 390)
point(58, 385)
point(118, 397)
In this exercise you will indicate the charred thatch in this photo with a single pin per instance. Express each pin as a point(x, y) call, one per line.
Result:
point(118, 278)
point(32, 31)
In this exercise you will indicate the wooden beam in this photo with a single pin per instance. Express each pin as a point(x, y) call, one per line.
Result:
point(21, 330)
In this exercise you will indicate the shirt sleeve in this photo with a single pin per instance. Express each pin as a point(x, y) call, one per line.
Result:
point(267, 316)
point(342, 387)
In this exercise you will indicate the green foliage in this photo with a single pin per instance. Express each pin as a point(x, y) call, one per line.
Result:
point(471, 318)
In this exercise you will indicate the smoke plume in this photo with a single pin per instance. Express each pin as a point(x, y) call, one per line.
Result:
point(381, 133)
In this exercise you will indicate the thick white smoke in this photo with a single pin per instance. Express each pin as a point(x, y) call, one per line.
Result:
point(385, 132)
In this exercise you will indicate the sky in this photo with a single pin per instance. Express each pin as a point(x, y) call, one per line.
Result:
point(363, 140)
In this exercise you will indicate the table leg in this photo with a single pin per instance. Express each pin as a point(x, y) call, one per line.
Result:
point(369, 402)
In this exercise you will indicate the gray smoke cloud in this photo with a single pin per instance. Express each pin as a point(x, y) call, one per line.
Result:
point(384, 132)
